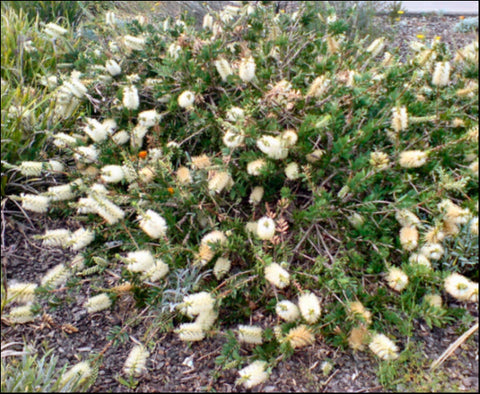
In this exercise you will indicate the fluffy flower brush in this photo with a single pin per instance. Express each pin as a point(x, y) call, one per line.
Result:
point(31, 168)
point(250, 334)
point(153, 224)
point(190, 332)
point(223, 68)
point(441, 74)
point(407, 218)
point(112, 173)
point(461, 288)
point(287, 311)
point(136, 361)
point(277, 276)
point(21, 315)
point(356, 308)
point(56, 276)
point(197, 303)
point(254, 167)
point(256, 195)
point(379, 160)
point(399, 119)
point(246, 69)
point(35, 203)
point(81, 238)
point(273, 147)
point(409, 237)
point(21, 293)
point(221, 180)
point(309, 306)
point(222, 266)
point(253, 374)
point(397, 279)
point(265, 228)
point(135, 43)
point(413, 158)
point(130, 98)
point(186, 99)
point(383, 347)
point(78, 373)
point(300, 336)
point(98, 303)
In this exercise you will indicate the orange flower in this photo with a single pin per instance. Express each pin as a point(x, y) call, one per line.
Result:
point(171, 190)
point(142, 154)
point(461, 17)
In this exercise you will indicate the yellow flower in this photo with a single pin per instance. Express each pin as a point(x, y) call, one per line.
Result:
point(420, 36)
point(400, 12)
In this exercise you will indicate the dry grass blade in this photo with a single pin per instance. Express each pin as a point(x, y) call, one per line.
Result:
point(447, 353)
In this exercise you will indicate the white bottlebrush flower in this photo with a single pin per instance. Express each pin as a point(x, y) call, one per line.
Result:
point(174, 50)
point(60, 192)
point(299, 336)
point(21, 314)
point(86, 154)
point(454, 213)
point(183, 176)
point(31, 168)
point(420, 259)
point(434, 300)
point(98, 303)
point(113, 67)
point(356, 220)
point(441, 74)
point(81, 238)
point(121, 137)
point(146, 174)
point(474, 226)
point(357, 309)
point(55, 166)
point(397, 279)
point(79, 373)
point(56, 276)
point(110, 18)
point(235, 114)
point(21, 293)
point(206, 319)
point(273, 147)
point(383, 347)
point(223, 68)
point(149, 118)
point(196, 303)
point(287, 311)
point(315, 156)
point(135, 43)
point(35, 203)
point(107, 210)
point(407, 218)
point(253, 374)
point(289, 137)
point(62, 140)
point(277, 275)
point(292, 171)
point(250, 334)
point(112, 173)
point(140, 261)
point(221, 267)
point(246, 69)
point(157, 272)
point(190, 332)
point(136, 361)
point(200, 162)
point(256, 195)
point(254, 167)
point(432, 251)
point(55, 237)
point(221, 180)
point(75, 87)
point(379, 160)
point(153, 224)
point(309, 306)
point(54, 31)
point(214, 237)
point(412, 158)
point(265, 228)
point(409, 237)
point(233, 139)
point(399, 119)
point(186, 99)
point(461, 288)
point(138, 132)
point(207, 22)
point(474, 168)
point(318, 87)
point(130, 98)
point(376, 46)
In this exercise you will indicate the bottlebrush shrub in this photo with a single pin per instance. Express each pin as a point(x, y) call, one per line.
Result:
point(350, 145)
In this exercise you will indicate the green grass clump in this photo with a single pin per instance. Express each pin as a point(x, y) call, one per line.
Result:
point(266, 157)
